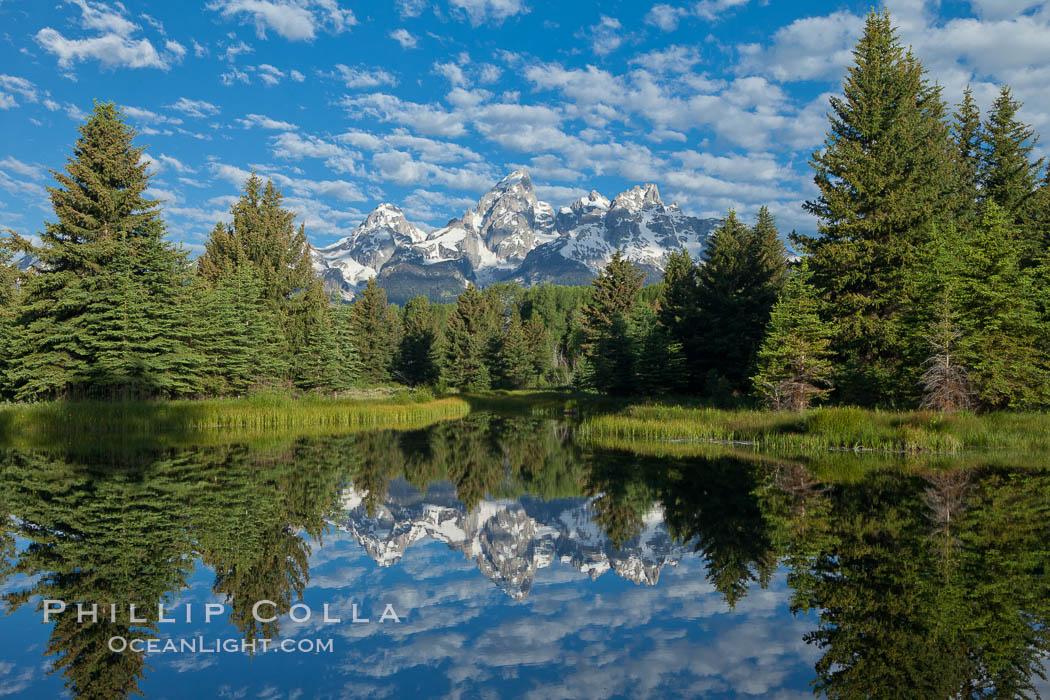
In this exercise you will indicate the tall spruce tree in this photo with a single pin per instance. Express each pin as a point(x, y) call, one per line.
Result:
point(736, 288)
point(968, 136)
point(263, 234)
point(104, 312)
point(514, 366)
point(1003, 337)
point(678, 316)
point(1008, 175)
point(376, 332)
point(349, 359)
point(609, 338)
point(885, 180)
point(418, 361)
point(794, 365)
point(467, 339)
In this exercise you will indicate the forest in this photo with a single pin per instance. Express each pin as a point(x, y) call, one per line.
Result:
point(926, 284)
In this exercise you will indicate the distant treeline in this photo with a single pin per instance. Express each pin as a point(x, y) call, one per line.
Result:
point(928, 284)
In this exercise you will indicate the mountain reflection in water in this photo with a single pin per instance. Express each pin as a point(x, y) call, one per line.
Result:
point(616, 574)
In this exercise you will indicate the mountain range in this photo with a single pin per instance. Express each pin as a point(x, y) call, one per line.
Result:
point(510, 236)
point(507, 540)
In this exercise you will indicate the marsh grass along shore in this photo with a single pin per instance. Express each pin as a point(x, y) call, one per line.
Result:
point(599, 421)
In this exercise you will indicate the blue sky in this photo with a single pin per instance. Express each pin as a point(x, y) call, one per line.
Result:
point(427, 104)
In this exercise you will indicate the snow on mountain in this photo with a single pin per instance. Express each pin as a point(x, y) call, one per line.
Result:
point(507, 540)
point(510, 235)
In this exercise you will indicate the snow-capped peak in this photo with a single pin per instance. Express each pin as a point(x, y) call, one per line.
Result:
point(638, 198)
point(593, 201)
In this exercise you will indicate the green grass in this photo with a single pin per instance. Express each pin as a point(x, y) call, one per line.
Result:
point(64, 421)
point(844, 428)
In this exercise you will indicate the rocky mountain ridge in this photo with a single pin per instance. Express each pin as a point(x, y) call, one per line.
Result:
point(507, 540)
point(510, 235)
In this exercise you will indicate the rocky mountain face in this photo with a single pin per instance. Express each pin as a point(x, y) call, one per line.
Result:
point(507, 540)
point(510, 235)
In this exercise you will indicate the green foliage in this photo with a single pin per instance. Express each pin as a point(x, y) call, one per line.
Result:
point(793, 362)
point(376, 332)
point(1003, 336)
point(1008, 175)
point(737, 286)
point(885, 181)
point(418, 361)
point(468, 336)
point(611, 338)
point(262, 235)
point(105, 313)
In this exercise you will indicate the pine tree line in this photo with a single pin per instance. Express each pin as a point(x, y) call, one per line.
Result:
point(926, 284)
point(112, 310)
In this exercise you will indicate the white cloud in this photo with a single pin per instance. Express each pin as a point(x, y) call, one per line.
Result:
point(411, 8)
point(14, 165)
point(199, 50)
point(113, 46)
point(360, 76)
point(21, 86)
point(294, 146)
point(667, 17)
point(403, 37)
point(194, 108)
point(175, 48)
point(174, 163)
point(234, 50)
point(427, 119)
point(271, 75)
point(295, 20)
point(1002, 9)
point(146, 116)
point(712, 10)
point(807, 49)
point(673, 59)
point(479, 12)
point(235, 75)
point(264, 122)
point(100, 17)
point(112, 50)
point(296, 76)
point(453, 73)
point(604, 36)
point(430, 149)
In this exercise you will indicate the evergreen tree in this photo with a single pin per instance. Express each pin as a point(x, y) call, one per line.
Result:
point(514, 367)
point(678, 314)
point(885, 180)
point(349, 358)
point(264, 235)
point(9, 298)
point(1003, 336)
point(608, 341)
point(319, 362)
point(418, 361)
point(737, 287)
point(467, 338)
point(1008, 175)
point(662, 365)
point(537, 343)
point(104, 313)
point(375, 332)
point(968, 137)
point(238, 334)
point(794, 368)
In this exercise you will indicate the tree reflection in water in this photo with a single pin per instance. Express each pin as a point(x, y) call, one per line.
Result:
point(926, 582)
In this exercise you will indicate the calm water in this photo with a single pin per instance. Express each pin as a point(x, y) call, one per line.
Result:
point(518, 563)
